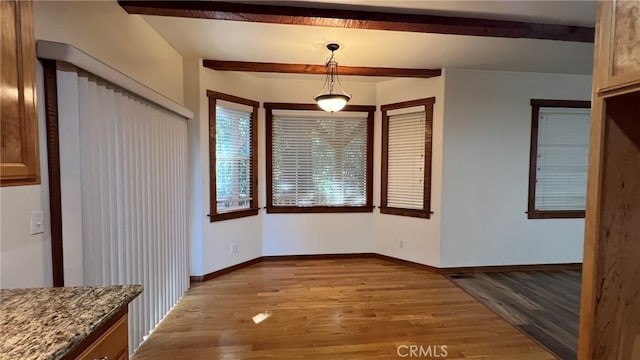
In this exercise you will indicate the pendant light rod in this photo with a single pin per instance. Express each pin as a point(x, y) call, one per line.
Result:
point(331, 101)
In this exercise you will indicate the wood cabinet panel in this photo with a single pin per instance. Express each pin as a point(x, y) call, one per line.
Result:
point(113, 344)
point(617, 274)
point(626, 44)
point(19, 163)
point(618, 47)
point(610, 307)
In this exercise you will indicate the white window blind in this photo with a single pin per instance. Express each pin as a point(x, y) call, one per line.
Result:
point(561, 162)
point(123, 182)
point(233, 159)
point(319, 160)
point(406, 160)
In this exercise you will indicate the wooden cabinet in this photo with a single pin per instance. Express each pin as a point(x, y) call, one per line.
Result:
point(617, 47)
point(19, 163)
point(112, 344)
point(610, 308)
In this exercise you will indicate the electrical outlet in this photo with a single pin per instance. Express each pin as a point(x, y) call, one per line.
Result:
point(401, 244)
point(234, 248)
point(37, 222)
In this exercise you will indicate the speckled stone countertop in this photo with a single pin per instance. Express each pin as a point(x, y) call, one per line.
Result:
point(47, 323)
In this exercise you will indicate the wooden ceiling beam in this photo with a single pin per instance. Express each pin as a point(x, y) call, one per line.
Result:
point(318, 69)
point(359, 19)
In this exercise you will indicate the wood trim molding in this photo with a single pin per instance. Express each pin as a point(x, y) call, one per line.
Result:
point(437, 270)
point(53, 162)
point(561, 103)
point(337, 256)
point(424, 213)
point(318, 69)
point(353, 17)
point(215, 274)
point(253, 207)
point(412, 264)
point(509, 268)
point(317, 209)
point(532, 213)
point(368, 207)
point(232, 98)
point(292, 106)
point(233, 215)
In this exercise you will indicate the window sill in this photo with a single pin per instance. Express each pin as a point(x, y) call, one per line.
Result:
point(233, 215)
point(318, 209)
point(569, 214)
point(424, 214)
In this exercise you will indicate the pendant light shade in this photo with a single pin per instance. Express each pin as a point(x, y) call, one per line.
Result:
point(332, 97)
point(332, 102)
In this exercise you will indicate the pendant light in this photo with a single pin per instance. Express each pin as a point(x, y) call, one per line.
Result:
point(330, 99)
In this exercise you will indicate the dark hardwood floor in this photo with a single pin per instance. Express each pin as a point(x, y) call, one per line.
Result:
point(543, 304)
point(334, 309)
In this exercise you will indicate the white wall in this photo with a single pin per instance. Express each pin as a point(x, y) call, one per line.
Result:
point(421, 237)
point(191, 73)
point(25, 259)
point(105, 31)
point(479, 176)
point(487, 131)
point(213, 246)
point(294, 234)
point(126, 42)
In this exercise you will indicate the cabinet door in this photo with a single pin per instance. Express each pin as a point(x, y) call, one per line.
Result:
point(618, 47)
point(113, 344)
point(19, 162)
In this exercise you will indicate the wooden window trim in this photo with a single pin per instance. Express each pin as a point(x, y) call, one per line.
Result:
point(253, 207)
point(532, 213)
point(425, 213)
point(52, 127)
point(368, 207)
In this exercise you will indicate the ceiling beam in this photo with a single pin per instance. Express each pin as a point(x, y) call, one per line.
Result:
point(317, 69)
point(359, 19)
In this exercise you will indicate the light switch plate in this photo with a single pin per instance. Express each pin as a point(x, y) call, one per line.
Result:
point(37, 222)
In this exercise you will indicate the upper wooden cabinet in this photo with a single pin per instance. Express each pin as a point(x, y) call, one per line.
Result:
point(610, 308)
point(617, 63)
point(19, 163)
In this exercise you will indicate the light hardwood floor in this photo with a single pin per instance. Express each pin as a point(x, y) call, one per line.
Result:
point(333, 309)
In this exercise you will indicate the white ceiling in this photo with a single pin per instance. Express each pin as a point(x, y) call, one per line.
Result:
point(260, 42)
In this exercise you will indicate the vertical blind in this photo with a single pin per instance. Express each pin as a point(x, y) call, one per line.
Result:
point(319, 160)
point(562, 157)
point(406, 159)
point(133, 167)
point(233, 159)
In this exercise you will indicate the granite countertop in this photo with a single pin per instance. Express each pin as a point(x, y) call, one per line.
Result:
point(46, 323)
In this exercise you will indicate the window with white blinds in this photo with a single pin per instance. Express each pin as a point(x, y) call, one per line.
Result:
point(406, 152)
point(558, 177)
point(233, 137)
point(319, 160)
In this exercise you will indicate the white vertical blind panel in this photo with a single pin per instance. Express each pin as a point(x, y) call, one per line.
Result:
point(133, 168)
point(561, 164)
point(406, 160)
point(233, 159)
point(319, 161)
